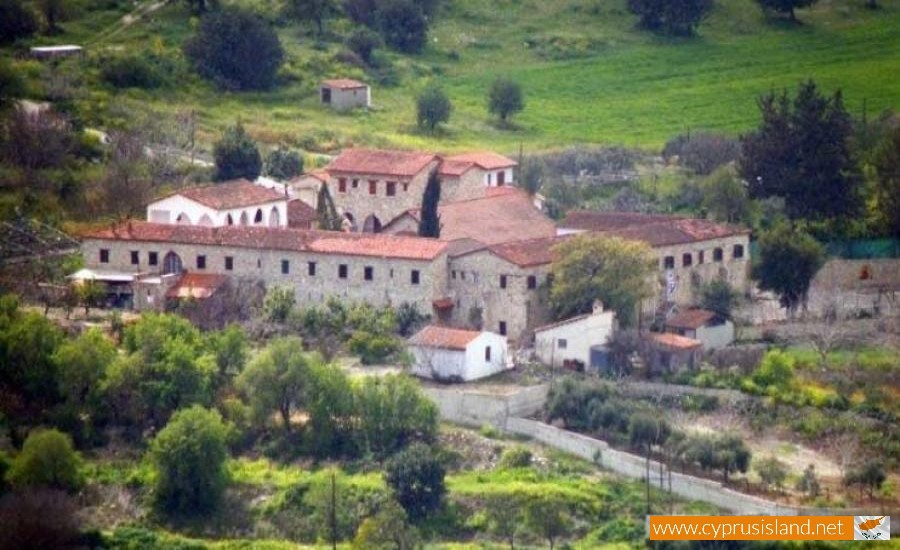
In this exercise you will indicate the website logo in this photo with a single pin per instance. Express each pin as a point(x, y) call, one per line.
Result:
point(871, 527)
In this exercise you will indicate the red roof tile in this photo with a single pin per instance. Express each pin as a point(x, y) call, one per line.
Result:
point(455, 168)
point(298, 240)
point(592, 220)
point(674, 341)
point(231, 194)
point(343, 83)
point(443, 337)
point(401, 164)
point(484, 159)
point(301, 215)
point(198, 286)
point(528, 253)
point(653, 229)
point(691, 319)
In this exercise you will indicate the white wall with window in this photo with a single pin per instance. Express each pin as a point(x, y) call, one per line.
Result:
point(570, 340)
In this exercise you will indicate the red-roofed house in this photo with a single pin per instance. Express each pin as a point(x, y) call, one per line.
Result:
point(237, 202)
point(709, 327)
point(454, 355)
point(343, 94)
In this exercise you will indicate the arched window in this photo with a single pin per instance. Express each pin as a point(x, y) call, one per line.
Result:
point(245, 219)
point(372, 224)
point(229, 220)
point(205, 221)
point(172, 264)
point(258, 218)
point(183, 219)
point(274, 217)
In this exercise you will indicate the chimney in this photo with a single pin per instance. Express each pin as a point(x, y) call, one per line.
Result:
point(598, 307)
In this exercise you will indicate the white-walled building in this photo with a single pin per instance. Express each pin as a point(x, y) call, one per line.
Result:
point(569, 342)
point(237, 202)
point(454, 355)
point(343, 94)
point(710, 328)
point(498, 170)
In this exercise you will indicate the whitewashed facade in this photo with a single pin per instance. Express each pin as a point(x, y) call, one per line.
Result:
point(461, 357)
point(571, 340)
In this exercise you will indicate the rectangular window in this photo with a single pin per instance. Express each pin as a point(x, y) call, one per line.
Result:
point(373, 187)
point(311, 269)
point(391, 188)
point(717, 254)
point(414, 276)
point(104, 255)
point(285, 267)
point(342, 185)
point(405, 186)
point(229, 263)
point(135, 257)
point(502, 328)
point(355, 184)
point(462, 275)
point(368, 273)
point(201, 261)
point(487, 353)
point(502, 281)
point(669, 262)
point(453, 274)
point(153, 258)
point(342, 271)
point(738, 251)
point(562, 343)
point(532, 282)
point(700, 257)
point(687, 259)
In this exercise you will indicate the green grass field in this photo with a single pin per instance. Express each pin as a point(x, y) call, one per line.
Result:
point(588, 75)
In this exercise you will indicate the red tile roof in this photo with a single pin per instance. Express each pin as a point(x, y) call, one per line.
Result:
point(298, 240)
point(343, 83)
point(691, 319)
point(301, 215)
point(674, 341)
point(400, 164)
point(484, 159)
point(198, 286)
point(592, 220)
point(455, 168)
point(443, 337)
point(529, 253)
point(492, 219)
point(653, 229)
point(231, 194)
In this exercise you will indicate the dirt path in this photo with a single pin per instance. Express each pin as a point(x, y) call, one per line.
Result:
point(126, 21)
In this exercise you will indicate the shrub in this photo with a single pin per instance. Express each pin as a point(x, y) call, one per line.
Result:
point(363, 42)
point(40, 518)
point(808, 482)
point(516, 457)
point(373, 349)
point(189, 455)
point(403, 25)
point(236, 155)
point(505, 98)
point(47, 460)
point(776, 370)
point(678, 18)
point(772, 472)
point(703, 152)
point(236, 49)
point(283, 164)
point(279, 304)
point(145, 71)
point(17, 20)
point(417, 479)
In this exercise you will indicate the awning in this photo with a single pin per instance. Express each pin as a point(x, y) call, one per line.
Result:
point(103, 276)
point(443, 303)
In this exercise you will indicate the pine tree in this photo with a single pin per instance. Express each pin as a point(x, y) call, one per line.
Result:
point(326, 211)
point(430, 225)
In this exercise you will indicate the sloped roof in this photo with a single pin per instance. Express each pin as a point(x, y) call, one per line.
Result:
point(691, 319)
point(231, 194)
point(455, 168)
point(443, 337)
point(674, 341)
point(301, 214)
point(484, 159)
point(343, 83)
point(653, 229)
point(401, 164)
point(491, 219)
point(298, 240)
point(527, 253)
point(564, 322)
point(198, 286)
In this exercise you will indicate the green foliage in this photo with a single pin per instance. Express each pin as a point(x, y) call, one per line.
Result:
point(363, 42)
point(677, 18)
point(808, 483)
point(725, 196)
point(726, 453)
point(786, 264)
point(702, 152)
point(776, 369)
point(785, 6)
point(719, 296)
point(326, 212)
point(589, 268)
point(230, 348)
point(236, 155)
point(27, 370)
point(315, 11)
point(392, 412)
point(189, 455)
point(146, 71)
point(386, 530)
point(869, 475)
point(236, 50)
point(548, 517)
point(887, 194)
point(802, 153)
point(47, 460)
point(516, 456)
point(432, 108)
point(374, 349)
point(772, 472)
point(82, 364)
point(278, 379)
point(505, 98)
point(646, 430)
point(17, 20)
point(410, 319)
point(416, 476)
point(283, 164)
point(279, 303)
point(403, 25)
point(430, 224)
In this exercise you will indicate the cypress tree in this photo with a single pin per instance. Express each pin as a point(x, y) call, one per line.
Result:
point(430, 226)
point(326, 211)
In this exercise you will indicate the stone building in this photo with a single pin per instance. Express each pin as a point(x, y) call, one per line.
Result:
point(237, 202)
point(345, 94)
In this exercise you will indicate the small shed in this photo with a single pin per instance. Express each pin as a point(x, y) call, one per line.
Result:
point(568, 343)
point(672, 353)
point(710, 328)
point(455, 355)
point(344, 94)
point(52, 52)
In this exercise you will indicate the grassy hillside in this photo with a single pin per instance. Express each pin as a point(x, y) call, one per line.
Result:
point(588, 75)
